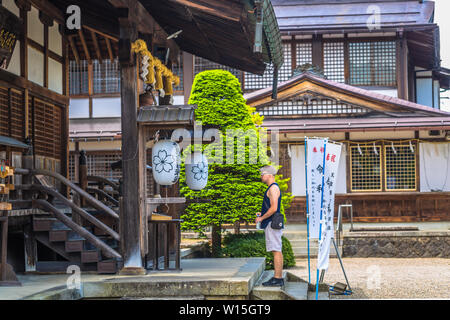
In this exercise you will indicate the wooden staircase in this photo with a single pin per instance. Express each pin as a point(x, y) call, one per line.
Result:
point(85, 237)
point(72, 247)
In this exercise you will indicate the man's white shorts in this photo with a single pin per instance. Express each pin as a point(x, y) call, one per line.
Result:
point(273, 239)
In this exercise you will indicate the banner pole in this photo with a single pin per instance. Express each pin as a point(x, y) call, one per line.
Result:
point(321, 215)
point(342, 265)
point(307, 208)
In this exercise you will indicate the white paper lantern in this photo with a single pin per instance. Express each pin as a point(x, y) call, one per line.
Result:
point(166, 161)
point(197, 171)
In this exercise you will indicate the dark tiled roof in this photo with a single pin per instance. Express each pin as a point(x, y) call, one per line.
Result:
point(10, 142)
point(403, 105)
point(167, 115)
point(326, 14)
point(359, 124)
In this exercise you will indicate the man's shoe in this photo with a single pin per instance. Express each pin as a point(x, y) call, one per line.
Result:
point(274, 282)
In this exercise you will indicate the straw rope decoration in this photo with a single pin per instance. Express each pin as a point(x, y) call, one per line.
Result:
point(153, 70)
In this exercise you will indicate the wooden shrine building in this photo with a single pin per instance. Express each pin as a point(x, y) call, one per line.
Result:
point(56, 222)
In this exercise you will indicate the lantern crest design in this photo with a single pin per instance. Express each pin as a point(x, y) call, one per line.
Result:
point(200, 171)
point(197, 171)
point(163, 162)
point(166, 161)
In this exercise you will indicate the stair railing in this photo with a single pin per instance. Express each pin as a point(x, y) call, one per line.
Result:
point(106, 250)
point(89, 199)
point(83, 213)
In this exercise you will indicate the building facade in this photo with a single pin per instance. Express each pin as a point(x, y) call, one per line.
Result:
point(380, 96)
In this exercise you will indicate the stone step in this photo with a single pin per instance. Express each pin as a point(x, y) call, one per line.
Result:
point(294, 289)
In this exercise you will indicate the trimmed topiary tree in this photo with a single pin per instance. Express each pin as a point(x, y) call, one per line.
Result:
point(235, 190)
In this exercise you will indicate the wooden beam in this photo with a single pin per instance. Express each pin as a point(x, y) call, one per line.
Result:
point(85, 47)
point(103, 34)
point(9, 79)
point(110, 51)
point(97, 47)
point(74, 49)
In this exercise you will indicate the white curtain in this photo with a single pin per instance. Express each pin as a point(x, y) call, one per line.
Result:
point(434, 167)
point(298, 171)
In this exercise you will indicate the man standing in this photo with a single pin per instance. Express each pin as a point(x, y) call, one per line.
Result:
point(272, 205)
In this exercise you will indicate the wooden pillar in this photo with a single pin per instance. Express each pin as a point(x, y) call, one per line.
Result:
point(188, 75)
point(402, 68)
point(317, 51)
point(30, 247)
point(83, 174)
point(131, 215)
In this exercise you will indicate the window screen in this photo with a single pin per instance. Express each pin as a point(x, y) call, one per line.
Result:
point(333, 60)
point(400, 164)
point(373, 63)
point(365, 168)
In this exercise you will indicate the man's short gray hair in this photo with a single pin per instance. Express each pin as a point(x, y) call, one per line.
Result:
point(268, 170)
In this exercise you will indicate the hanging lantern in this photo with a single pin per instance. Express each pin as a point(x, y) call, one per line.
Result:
point(166, 161)
point(197, 171)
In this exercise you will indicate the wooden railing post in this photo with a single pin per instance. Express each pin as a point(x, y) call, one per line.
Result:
point(83, 174)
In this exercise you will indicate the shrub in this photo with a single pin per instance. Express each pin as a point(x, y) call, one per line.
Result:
point(253, 245)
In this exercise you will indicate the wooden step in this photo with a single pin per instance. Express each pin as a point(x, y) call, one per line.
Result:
point(107, 267)
point(90, 256)
point(74, 243)
point(43, 224)
point(58, 235)
point(74, 246)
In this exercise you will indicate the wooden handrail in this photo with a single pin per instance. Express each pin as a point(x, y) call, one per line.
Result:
point(114, 185)
point(91, 200)
point(107, 250)
point(103, 194)
point(74, 207)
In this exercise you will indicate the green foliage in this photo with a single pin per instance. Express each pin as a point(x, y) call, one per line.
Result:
point(235, 190)
point(253, 245)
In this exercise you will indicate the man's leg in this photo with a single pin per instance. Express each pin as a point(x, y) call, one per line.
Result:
point(278, 264)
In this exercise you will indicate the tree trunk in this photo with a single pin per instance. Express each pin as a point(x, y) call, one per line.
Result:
point(237, 227)
point(216, 236)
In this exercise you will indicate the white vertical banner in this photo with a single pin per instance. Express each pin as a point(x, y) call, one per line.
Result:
point(333, 156)
point(315, 153)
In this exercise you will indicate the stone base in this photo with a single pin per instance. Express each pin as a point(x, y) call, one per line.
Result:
point(133, 272)
point(397, 244)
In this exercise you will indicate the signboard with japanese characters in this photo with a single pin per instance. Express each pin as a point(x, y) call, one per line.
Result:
point(10, 32)
point(332, 158)
point(315, 152)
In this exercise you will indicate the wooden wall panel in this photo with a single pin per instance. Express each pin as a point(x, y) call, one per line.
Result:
point(388, 207)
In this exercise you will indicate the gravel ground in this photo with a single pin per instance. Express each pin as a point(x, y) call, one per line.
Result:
point(386, 278)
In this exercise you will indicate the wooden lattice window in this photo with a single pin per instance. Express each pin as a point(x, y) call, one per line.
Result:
point(373, 63)
point(78, 77)
point(285, 72)
point(400, 167)
point(303, 53)
point(12, 114)
point(106, 76)
point(313, 107)
point(333, 61)
point(47, 130)
point(17, 115)
point(99, 164)
point(255, 82)
point(201, 64)
point(4, 112)
point(72, 174)
point(365, 168)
